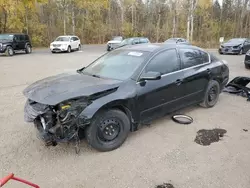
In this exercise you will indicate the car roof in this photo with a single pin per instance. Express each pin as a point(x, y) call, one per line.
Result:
point(147, 47)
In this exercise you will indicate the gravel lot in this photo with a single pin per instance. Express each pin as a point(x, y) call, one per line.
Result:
point(163, 152)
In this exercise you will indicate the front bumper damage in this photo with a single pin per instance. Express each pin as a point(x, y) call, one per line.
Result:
point(238, 86)
point(55, 124)
point(229, 50)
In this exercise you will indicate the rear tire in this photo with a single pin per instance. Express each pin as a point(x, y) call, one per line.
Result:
point(108, 130)
point(211, 95)
point(28, 49)
point(79, 47)
point(9, 51)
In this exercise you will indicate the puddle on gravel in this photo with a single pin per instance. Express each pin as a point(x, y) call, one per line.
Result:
point(206, 137)
point(165, 185)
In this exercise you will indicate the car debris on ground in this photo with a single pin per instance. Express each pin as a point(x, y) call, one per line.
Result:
point(238, 86)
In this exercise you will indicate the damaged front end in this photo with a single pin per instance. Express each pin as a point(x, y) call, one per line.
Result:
point(58, 123)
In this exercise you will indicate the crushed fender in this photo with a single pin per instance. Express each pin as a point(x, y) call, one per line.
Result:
point(239, 87)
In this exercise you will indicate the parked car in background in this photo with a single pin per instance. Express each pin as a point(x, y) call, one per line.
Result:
point(177, 41)
point(247, 60)
point(116, 40)
point(235, 46)
point(133, 41)
point(121, 90)
point(14, 42)
point(66, 43)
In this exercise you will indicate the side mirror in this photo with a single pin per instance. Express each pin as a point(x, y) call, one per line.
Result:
point(71, 40)
point(150, 76)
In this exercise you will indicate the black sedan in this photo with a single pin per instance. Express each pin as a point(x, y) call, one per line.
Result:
point(235, 46)
point(122, 90)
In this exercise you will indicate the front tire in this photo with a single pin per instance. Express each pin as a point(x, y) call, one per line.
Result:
point(79, 47)
point(9, 51)
point(211, 95)
point(240, 52)
point(69, 49)
point(108, 130)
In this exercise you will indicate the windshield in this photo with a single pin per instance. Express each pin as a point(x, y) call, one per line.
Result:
point(6, 37)
point(62, 39)
point(126, 42)
point(117, 38)
point(118, 64)
point(236, 40)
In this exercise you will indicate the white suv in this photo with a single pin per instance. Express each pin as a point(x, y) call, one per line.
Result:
point(65, 43)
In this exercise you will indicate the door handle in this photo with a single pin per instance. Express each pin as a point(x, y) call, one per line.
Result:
point(178, 82)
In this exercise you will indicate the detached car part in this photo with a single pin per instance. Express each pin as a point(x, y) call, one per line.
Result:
point(182, 119)
point(238, 86)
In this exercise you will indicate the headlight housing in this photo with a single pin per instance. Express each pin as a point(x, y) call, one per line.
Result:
point(248, 53)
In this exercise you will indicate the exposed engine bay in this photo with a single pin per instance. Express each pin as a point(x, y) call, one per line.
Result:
point(56, 123)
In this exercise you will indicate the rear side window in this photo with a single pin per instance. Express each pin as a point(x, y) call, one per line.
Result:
point(164, 62)
point(143, 40)
point(26, 37)
point(193, 57)
point(22, 37)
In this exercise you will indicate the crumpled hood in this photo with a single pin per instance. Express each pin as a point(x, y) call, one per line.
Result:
point(114, 42)
point(231, 44)
point(55, 89)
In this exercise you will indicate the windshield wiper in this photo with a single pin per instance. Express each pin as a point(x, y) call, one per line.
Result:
point(94, 75)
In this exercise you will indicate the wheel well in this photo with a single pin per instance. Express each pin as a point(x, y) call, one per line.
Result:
point(120, 107)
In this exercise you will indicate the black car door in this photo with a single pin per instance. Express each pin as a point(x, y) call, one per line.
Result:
point(196, 74)
point(157, 97)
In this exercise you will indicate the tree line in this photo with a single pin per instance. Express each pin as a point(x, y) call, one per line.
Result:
point(202, 22)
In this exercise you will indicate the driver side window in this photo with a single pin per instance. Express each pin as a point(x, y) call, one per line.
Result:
point(165, 62)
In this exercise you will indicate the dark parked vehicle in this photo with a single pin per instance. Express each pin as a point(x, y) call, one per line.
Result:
point(247, 60)
point(121, 90)
point(177, 41)
point(235, 46)
point(11, 43)
point(133, 41)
